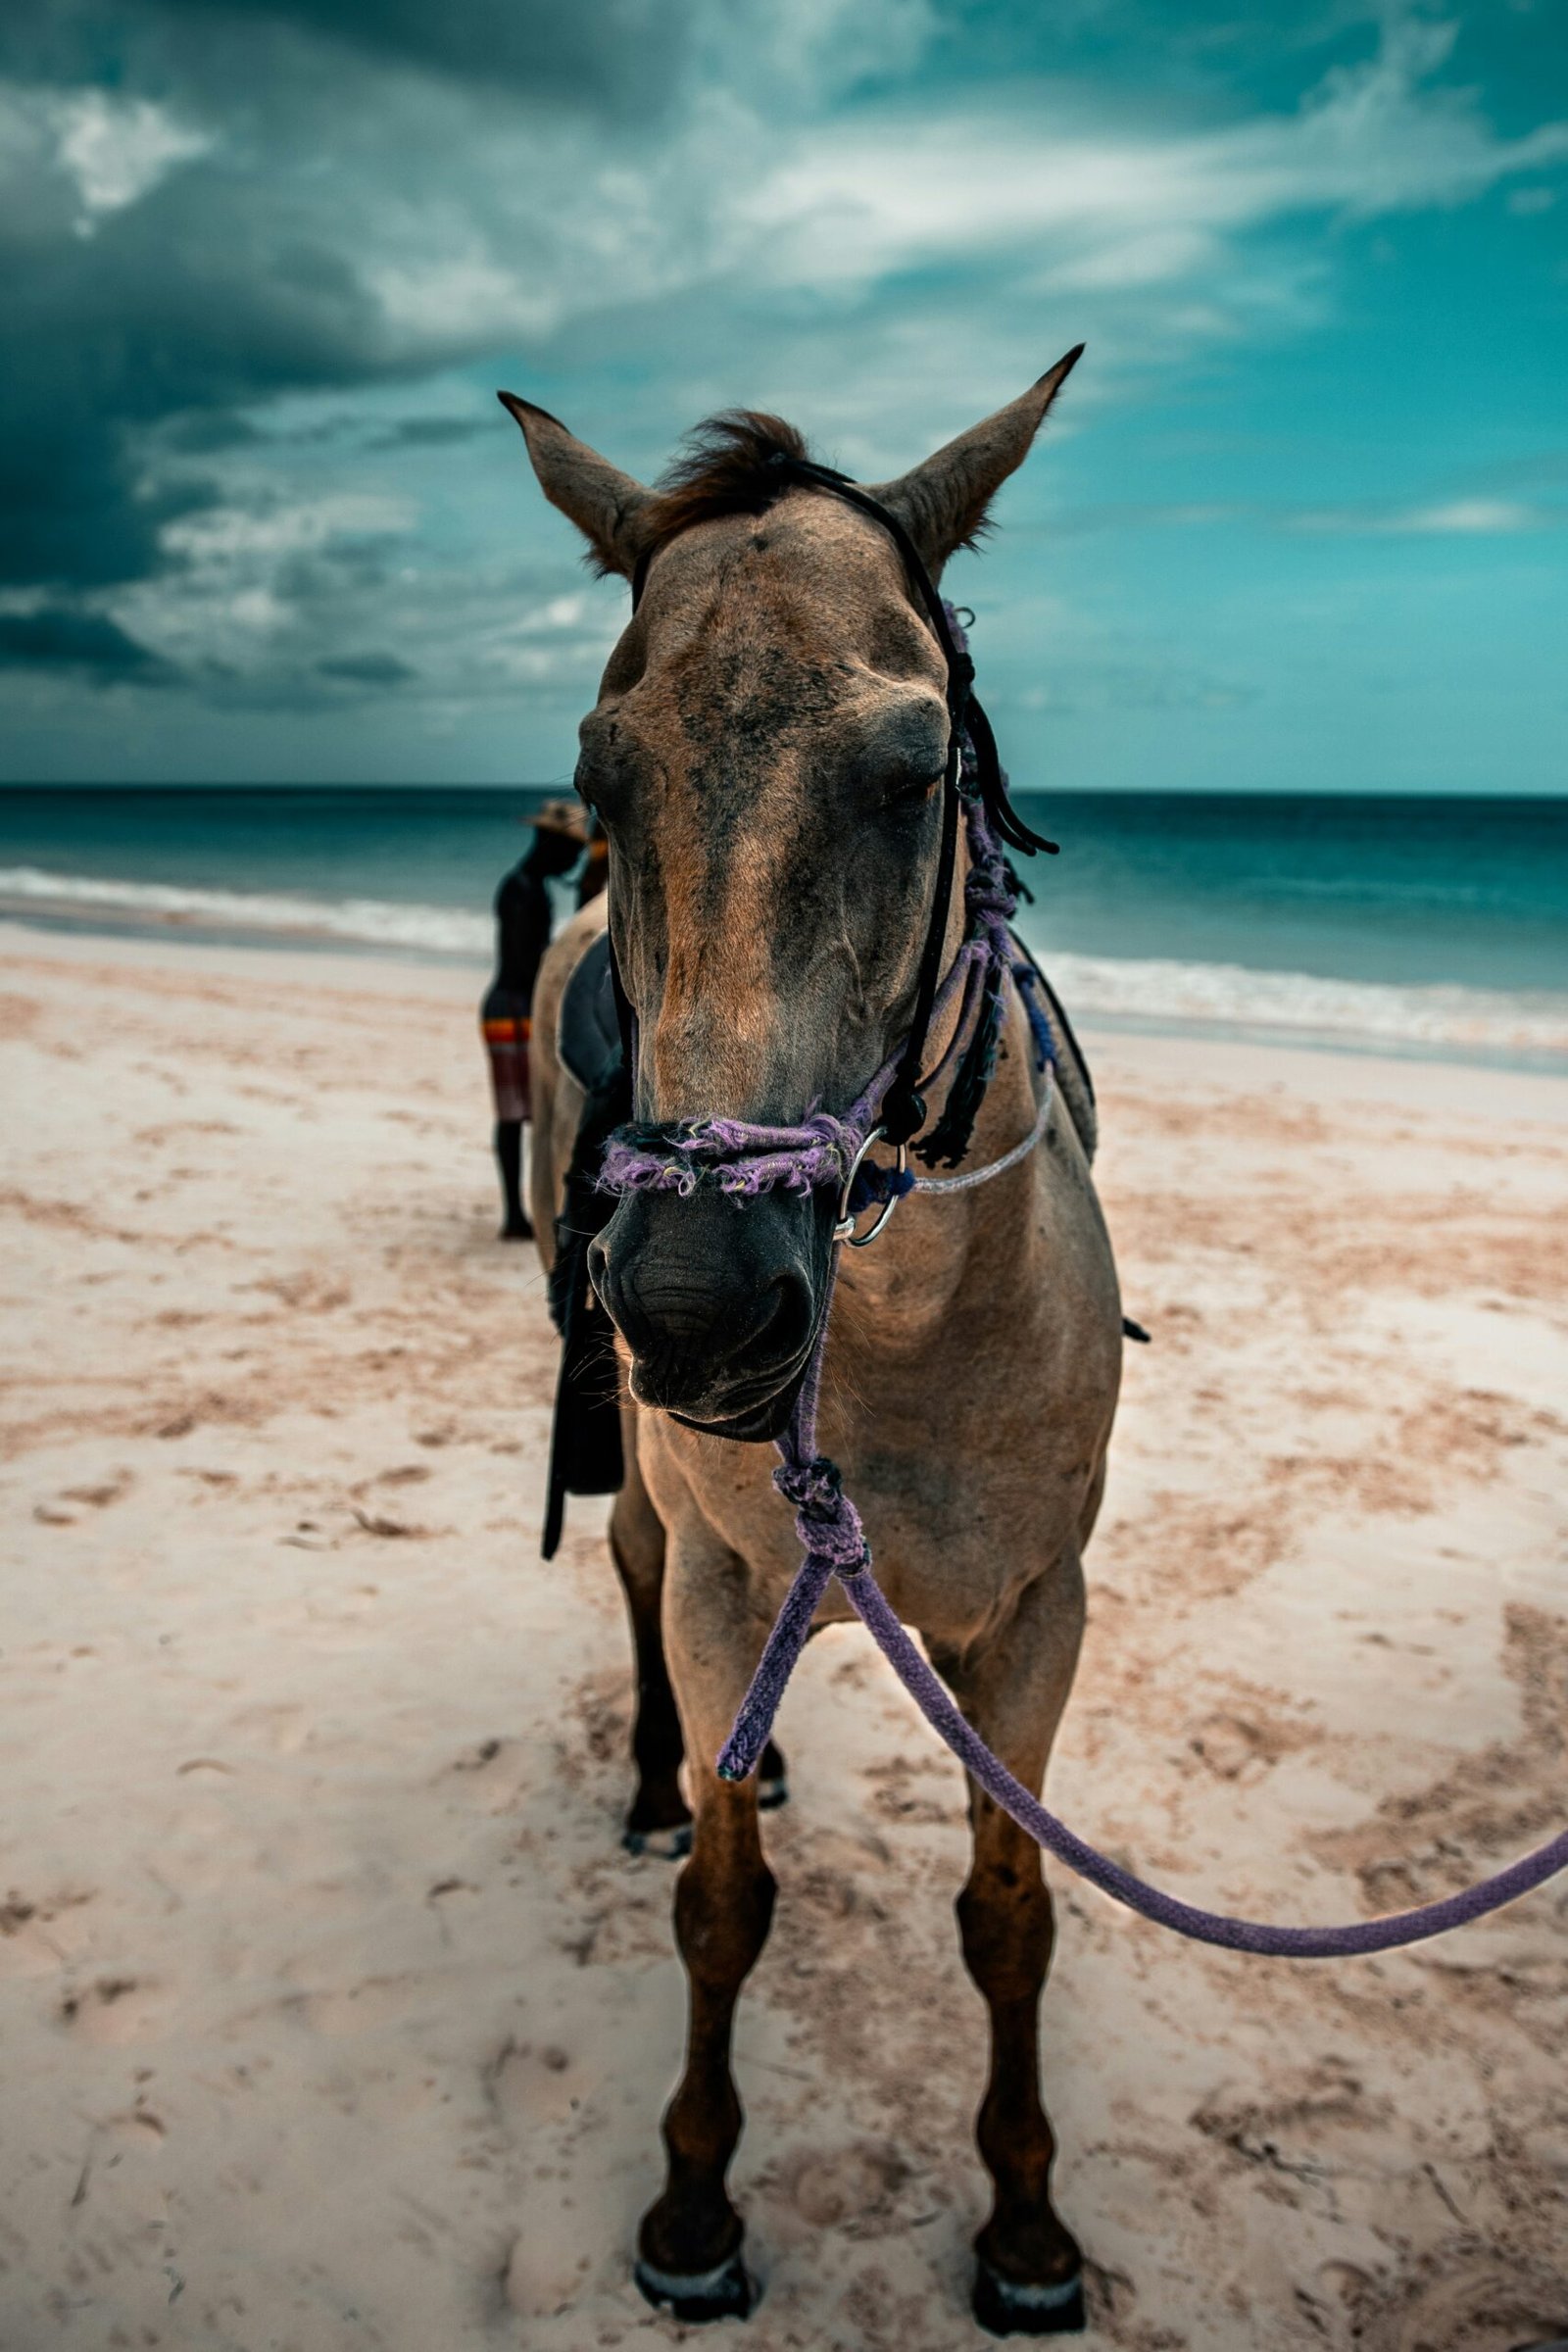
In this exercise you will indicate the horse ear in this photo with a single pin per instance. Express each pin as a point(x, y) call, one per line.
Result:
point(603, 501)
point(942, 503)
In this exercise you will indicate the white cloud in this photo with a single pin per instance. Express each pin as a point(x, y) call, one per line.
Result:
point(1526, 202)
point(1144, 258)
point(1462, 516)
point(558, 613)
point(71, 158)
point(118, 149)
point(1475, 515)
point(1110, 205)
point(236, 535)
point(238, 595)
point(458, 294)
point(578, 630)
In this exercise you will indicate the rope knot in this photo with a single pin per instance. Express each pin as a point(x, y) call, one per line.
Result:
point(825, 1519)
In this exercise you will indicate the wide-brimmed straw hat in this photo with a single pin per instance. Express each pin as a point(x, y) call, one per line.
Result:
point(560, 816)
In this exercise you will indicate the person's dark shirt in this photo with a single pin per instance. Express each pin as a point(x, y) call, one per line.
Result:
point(523, 931)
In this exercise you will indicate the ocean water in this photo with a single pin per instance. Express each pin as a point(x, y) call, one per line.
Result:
point(1433, 926)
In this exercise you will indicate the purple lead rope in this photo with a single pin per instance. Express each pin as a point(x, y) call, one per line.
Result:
point(834, 1544)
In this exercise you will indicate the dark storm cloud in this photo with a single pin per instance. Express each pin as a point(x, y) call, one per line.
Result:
point(593, 55)
point(369, 669)
point(605, 53)
point(430, 432)
point(260, 258)
point(175, 305)
point(205, 432)
point(58, 638)
point(232, 281)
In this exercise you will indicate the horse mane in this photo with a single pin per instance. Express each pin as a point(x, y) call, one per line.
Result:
point(724, 469)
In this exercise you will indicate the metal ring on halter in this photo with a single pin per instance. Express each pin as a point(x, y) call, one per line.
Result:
point(844, 1230)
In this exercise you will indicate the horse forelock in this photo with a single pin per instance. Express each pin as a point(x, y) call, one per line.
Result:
point(726, 467)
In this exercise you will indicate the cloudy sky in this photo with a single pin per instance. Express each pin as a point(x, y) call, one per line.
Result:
point(1297, 520)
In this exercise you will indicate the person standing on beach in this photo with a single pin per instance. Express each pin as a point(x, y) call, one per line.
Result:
point(522, 934)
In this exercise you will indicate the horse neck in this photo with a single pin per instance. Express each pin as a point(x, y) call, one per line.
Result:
point(965, 1253)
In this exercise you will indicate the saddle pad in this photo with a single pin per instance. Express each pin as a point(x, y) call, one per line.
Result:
point(588, 1034)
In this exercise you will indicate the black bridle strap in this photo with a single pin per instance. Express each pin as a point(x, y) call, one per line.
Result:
point(904, 1107)
point(904, 1110)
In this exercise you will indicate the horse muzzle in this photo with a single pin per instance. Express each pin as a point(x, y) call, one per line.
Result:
point(718, 1303)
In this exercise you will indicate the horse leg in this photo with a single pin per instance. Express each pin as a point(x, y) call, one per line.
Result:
point(1029, 2277)
point(659, 1819)
point(689, 2247)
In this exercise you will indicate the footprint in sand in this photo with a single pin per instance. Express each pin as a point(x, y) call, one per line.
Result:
point(1310, 2123)
point(38, 1937)
point(538, 2083)
point(1233, 1748)
point(140, 2129)
point(402, 1474)
point(113, 2011)
point(122, 2190)
point(855, 2188)
point(550, 2266)
point(66, 1508)
point(493, 1777)
point(356, 2009)
point(285, 1728)
point(1459, 2300)
point(101, 1493)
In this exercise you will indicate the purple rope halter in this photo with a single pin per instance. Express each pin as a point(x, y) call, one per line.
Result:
point(746, 1159)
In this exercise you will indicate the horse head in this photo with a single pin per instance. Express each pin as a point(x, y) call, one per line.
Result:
point(766, 756)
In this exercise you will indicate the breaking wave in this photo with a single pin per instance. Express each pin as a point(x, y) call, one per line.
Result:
point(1531, 1025)
point(1528, 1026)
point(241, 914)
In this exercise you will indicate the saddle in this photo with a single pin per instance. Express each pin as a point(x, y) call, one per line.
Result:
point(586, 1455)
point(588, 1033)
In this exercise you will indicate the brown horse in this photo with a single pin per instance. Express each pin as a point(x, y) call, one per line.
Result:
point(766, 754)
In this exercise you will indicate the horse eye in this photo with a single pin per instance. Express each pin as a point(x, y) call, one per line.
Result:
point(907, 790)
point(583, 784)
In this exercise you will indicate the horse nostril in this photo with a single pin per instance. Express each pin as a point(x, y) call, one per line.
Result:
point(704, 1299)
point(786, 1324)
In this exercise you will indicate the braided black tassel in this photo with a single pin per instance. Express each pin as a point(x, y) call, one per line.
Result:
point(948, 1140)
point(1004, 819)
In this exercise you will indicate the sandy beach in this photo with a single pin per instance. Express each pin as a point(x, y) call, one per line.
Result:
point(333, 2015)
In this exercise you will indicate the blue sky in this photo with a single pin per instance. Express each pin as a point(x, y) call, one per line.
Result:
point(1297, 523)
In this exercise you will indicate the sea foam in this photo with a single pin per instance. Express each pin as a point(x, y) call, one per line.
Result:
point(366, 922)
point(1493, 1023)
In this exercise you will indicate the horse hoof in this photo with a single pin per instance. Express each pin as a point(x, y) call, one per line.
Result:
point(1009, 2307)
point(728, 2293)
point(771, 1794)
point(665, 1846)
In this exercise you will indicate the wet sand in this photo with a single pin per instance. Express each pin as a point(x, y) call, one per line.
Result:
point(332, 2013)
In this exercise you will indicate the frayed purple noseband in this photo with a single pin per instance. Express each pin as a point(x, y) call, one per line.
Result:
point(740, 1159)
